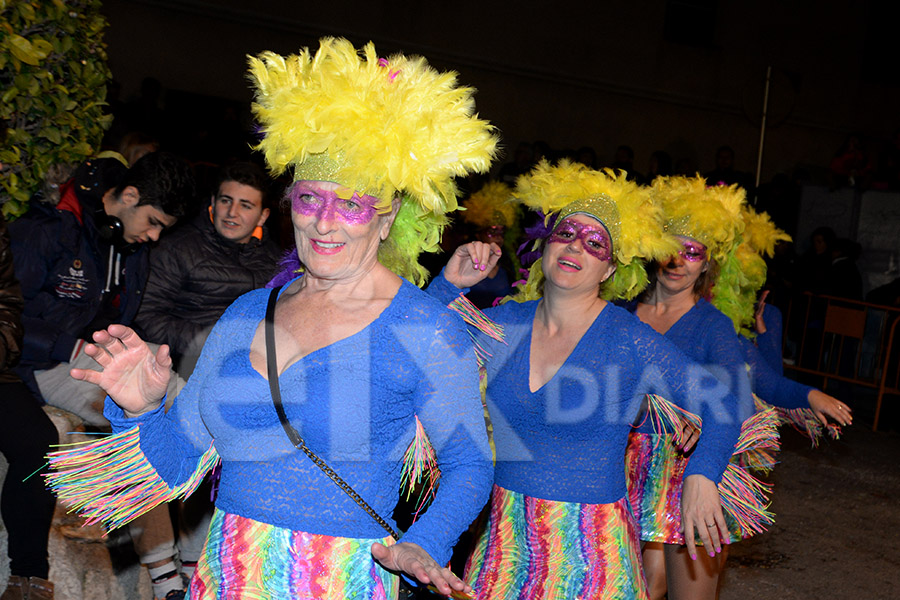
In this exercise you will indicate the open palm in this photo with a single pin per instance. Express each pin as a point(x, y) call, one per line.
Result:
point(132, 375)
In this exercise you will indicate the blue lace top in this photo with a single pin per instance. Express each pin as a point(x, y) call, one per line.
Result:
point(354, 403)
point(566, 441)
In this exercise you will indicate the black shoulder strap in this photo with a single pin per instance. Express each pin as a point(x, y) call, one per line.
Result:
point(296, 440)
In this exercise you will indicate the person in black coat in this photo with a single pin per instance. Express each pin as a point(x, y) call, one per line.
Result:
point(203, 267)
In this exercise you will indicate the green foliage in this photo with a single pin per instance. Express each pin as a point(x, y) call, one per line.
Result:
point(53, 77)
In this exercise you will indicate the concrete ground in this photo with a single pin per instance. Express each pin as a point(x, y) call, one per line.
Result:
point(835, 534)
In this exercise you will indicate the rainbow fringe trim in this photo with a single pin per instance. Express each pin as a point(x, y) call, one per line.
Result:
point(420, 469)
point(803, 420)
point(110, 481)
point(744, 497)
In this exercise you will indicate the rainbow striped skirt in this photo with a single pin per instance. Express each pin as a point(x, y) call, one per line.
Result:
point(246, 559)
point(542, 549)
point(654, 471)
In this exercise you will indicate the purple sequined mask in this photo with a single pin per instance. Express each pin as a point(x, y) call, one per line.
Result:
point(594, 238)
point(692, 250)
point(341, 204)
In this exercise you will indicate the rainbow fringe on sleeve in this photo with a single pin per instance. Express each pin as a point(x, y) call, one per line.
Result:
point(110, 481)
point(744, 497)
point(803, 420)
point(420, 469)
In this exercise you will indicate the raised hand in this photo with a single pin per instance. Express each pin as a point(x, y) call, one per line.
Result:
point(415, 562)
point(471, 263)
point(132, 375)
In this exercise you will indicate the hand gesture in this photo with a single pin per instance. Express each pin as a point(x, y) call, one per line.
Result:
point(133, 377)
point(702, 510)
point(415, 562)
point(822, 404)
point(471, 263)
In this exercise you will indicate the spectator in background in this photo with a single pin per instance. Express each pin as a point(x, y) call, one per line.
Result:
point(587, 156)
point(726, 174)
point(135, 145)
point(26, 435)
point(844, 279)
point(624, 161)
point(851, 165)
point(541, 151)
point(203, 267)
point(814, 266)
point(522, 162)
point(660, 165)
point(82, 265)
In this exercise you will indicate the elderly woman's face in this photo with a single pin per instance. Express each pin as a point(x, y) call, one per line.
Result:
point(337, 230)
point(578, 253)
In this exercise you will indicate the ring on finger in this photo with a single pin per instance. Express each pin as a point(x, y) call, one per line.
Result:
point(713, 525)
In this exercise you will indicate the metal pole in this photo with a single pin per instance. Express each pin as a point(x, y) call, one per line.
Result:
point(762, 131)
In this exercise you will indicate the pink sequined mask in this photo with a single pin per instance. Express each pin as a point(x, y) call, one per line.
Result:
point(692, 250)
point(342, 204)
point(594, 238)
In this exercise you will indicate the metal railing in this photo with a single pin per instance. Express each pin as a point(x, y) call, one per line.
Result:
point(845, 340)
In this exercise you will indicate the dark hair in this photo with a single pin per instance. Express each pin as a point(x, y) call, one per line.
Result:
point(248, 174)
point(163, 180)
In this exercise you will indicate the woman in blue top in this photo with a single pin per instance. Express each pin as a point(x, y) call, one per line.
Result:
point(710, 226)
point(566, 386)
point(364, 359)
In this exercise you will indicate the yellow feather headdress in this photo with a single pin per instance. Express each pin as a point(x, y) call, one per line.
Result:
point(712, 216)
point(387, 127)
point(491, 205)
point(634, 222)
point(759, 240)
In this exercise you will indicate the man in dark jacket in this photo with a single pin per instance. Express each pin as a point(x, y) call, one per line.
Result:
point(205, 265)
point(200, 270)
point(83, 265)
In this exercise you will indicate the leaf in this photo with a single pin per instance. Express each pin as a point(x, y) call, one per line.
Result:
point(52, 134)
point(41, 47)
point(22, 49)
point(27, 11)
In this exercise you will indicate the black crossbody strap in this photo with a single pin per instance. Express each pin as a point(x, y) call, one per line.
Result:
point(296, 440)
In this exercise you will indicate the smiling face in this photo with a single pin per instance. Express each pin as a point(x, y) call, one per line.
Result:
point(336, 229)
point(682, 271)
point(238, 211)
point(578, 254)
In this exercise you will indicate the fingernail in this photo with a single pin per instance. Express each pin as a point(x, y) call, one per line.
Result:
point(712, 553)
point(693, 557)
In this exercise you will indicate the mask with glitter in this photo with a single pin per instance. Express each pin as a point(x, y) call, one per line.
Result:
point(342, 204)
point(594, 238)
point(692, 250)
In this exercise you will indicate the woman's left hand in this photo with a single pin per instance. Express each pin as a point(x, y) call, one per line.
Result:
point(471, 263)
point(701, 509)
point(822, 404)
point(415, 562)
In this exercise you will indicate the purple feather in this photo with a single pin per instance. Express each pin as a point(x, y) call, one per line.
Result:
point(288, 268)
point(537, 232)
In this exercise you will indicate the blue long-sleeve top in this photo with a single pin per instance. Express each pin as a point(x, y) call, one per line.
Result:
point(354, 402)
point(769, 343)
point(566, 441)
point(766, 366)
point(706, 336)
